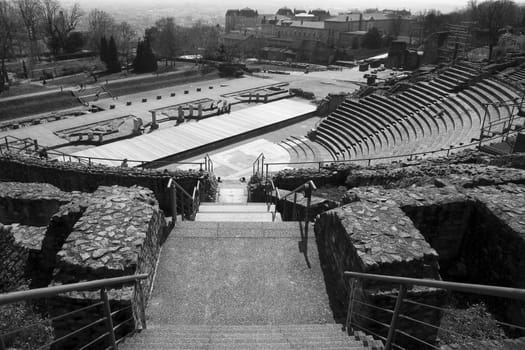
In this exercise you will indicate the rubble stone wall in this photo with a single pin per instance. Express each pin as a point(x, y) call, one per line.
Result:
point(376, 237)
point(30, 204)
point(80, 177)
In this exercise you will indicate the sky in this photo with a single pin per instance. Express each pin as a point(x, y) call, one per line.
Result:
point(273, 5)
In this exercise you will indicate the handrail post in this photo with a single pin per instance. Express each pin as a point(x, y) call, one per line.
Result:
point(109, 320)
point(142, 306)
point(350, 310)
point(308, 195)
point(395, 317)
point(267, 170)
point(174, 203)
point(294, 209)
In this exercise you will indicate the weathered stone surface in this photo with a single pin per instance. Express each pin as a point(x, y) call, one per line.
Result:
point(19, 248)
point(442, 215)
point(383, 239)
point(70, 176)
point(30, 204)
point(466, 169)
point(109, 239)
point(376, 236)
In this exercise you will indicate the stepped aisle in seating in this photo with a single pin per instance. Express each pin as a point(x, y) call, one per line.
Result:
point(239, 282)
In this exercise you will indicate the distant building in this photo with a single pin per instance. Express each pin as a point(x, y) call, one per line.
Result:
point(285, 11)
point(287, 33)
point(240, 19)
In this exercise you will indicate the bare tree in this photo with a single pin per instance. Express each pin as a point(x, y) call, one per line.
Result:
point(165, 42)
point(9, 25)
point(492, 16)
point(126, 38)
point(59, 22)
point(100, 24)
point(30, 11)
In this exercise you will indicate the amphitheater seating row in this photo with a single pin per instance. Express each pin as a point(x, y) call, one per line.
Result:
point(386, 126)
point(445, 112)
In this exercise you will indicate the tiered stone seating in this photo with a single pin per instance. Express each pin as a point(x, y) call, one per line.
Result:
point(302, 149)
point(423, 118)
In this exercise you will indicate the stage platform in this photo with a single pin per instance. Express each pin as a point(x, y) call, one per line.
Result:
point(168, 142)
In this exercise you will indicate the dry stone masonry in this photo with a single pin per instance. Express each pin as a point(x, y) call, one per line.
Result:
point(56, 237)
point(71, 176)
point(477, 233)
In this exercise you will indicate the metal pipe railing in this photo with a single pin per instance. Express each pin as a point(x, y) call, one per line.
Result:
point(404, 284)
point(13, 297)
point(189, 203)
point(495, 291)
point(102, 285)
point(307, 189)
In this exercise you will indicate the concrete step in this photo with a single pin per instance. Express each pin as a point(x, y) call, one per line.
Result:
point(235, 216)
point(269, 337)
point(234, 207)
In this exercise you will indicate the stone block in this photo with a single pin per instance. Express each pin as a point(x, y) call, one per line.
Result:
point(30, 204)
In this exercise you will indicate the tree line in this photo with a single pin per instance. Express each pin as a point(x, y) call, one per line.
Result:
point(488, 18)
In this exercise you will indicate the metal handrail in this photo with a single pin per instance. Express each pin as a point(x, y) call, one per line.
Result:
point(13, 297)
point(307, 188)
point(259, 164)
point(404, 284)
point(189, 203)
point(101, 285)
point(495, 291)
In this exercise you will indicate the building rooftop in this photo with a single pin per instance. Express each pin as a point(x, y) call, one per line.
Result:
point(305, 24)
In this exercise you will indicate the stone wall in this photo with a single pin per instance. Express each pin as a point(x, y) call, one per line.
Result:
point(80, 177)
point(442, 215)
point(13, 261)
point(111, 232)
point(376, 237)
point(59, 228)
point(466, 169)
point(30, 204)
point(118, 234)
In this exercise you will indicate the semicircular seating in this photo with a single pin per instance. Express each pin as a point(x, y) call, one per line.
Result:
point(428, 116)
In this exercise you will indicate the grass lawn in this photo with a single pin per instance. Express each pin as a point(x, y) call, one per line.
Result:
point(21, 89)
point(153, 82)
point(35, 105)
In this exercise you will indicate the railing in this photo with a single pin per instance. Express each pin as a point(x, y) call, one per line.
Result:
point(306, 190)
point(208, 163)
point(7, 146)
point(204, 165)
point(363, 314)
point(183, 203)
point(9, 143)
point(258, 166)
point(368, 161)
point(270, 189)
point(107, 314)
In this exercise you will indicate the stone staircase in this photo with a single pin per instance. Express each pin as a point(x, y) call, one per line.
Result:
point(233, 279)
point(232, 212)
point(314, 337)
